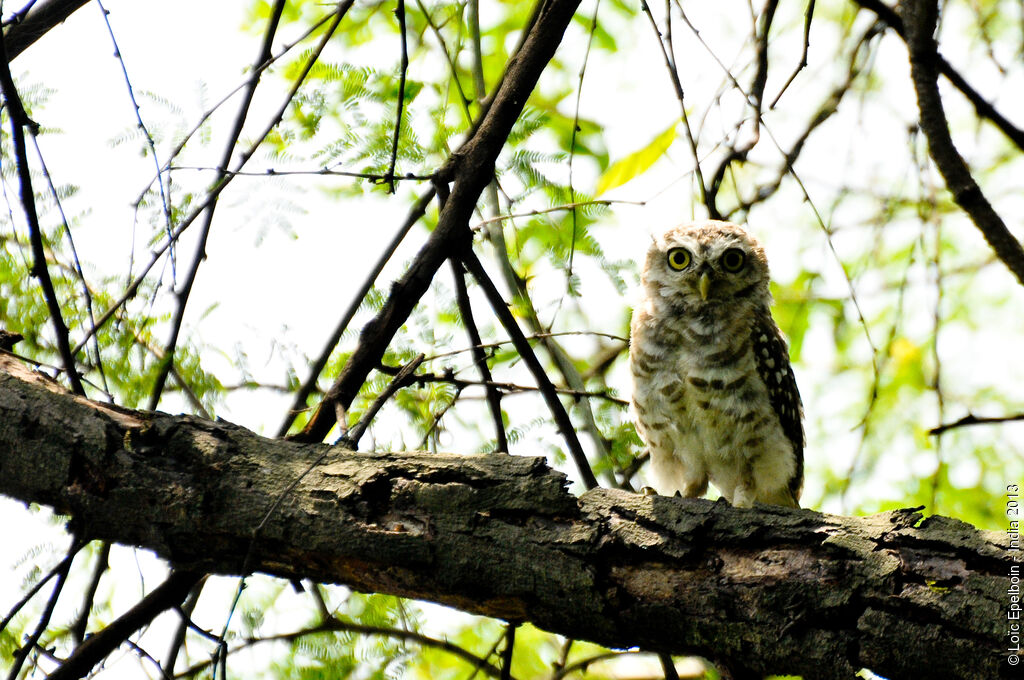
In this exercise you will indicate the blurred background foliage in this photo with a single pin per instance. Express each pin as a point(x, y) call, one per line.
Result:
point(898, 315)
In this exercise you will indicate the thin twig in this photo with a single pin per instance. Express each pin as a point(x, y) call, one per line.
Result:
point(435, 423)
point(503, 387)
point(678, 86)
point(453, 70)
point(971, 419)
point(738, 154)
point(575, 131)
point(20, 655)
point(535, 336)
point(19, 121)
point(335, 625)
point(99, 568)
point(479, 357)
point(477, 64)
point(940, 400)
point(79, 272)
point(146, 656)
point(299, 402)
point(164, 198)
point(808, 17)
point(404, 67)
point(582, 665)
point(99, 645)
point(558, 411)
point(329, 172)
point(182, 296)
point(556, 208)
point(919, 19)
point(351, 438)
point(185, 611)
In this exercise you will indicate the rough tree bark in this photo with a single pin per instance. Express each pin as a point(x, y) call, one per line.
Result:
point(782, 591)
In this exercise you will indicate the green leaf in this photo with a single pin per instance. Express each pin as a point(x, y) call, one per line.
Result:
point(636, 163)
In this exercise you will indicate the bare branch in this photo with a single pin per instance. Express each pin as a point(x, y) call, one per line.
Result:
point(334, 625)
point(61, 572)
point(19, 121)
point(971, 419)
point(98, 646)
point(183, 294)
point(403, 68)
point(32, 25)
point(982, 106)
point(470, 169)
point(666, 47)
point(309, 386)
point(479, 356)
point(802, 64)
point(98, 569)
point(919, 19)
point(554, 405)
point(351, 437)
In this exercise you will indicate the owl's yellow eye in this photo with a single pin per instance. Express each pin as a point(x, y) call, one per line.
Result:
point(679, 259)
point(733, 260)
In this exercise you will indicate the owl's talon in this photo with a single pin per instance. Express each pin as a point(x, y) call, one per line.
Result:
point(648, 491)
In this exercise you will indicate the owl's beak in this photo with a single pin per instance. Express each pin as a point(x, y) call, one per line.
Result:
point(703, 284)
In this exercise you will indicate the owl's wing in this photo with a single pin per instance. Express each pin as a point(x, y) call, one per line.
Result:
point(772, 358)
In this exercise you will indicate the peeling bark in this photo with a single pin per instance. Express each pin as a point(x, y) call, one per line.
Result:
point(774, 589)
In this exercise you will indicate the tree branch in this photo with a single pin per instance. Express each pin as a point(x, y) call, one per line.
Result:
point(919, 19)
point(982, 106)
point(98, 646)
point(37, 22)
point(971, 419)
point(19, 121)
point(787, 591)
point(469, 169)
point(182, 295)
point(309, 386)
point(558, 412)
point(479, 356)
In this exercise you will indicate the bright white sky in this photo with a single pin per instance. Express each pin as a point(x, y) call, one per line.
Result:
point(181, 49)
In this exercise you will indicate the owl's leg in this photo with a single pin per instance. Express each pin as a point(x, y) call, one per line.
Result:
point(694, 487)
point(743, 496)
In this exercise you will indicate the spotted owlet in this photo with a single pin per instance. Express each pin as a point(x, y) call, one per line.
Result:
point(713, 390)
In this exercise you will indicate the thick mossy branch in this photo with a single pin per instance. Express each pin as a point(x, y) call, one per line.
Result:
point(785, 591)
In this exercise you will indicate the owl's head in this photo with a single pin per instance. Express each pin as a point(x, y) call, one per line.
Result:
point(704, 265)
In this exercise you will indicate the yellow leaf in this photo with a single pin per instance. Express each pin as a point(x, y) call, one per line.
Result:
point(636, 163)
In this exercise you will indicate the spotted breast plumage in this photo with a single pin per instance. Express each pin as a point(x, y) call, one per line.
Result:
point(714, 394)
